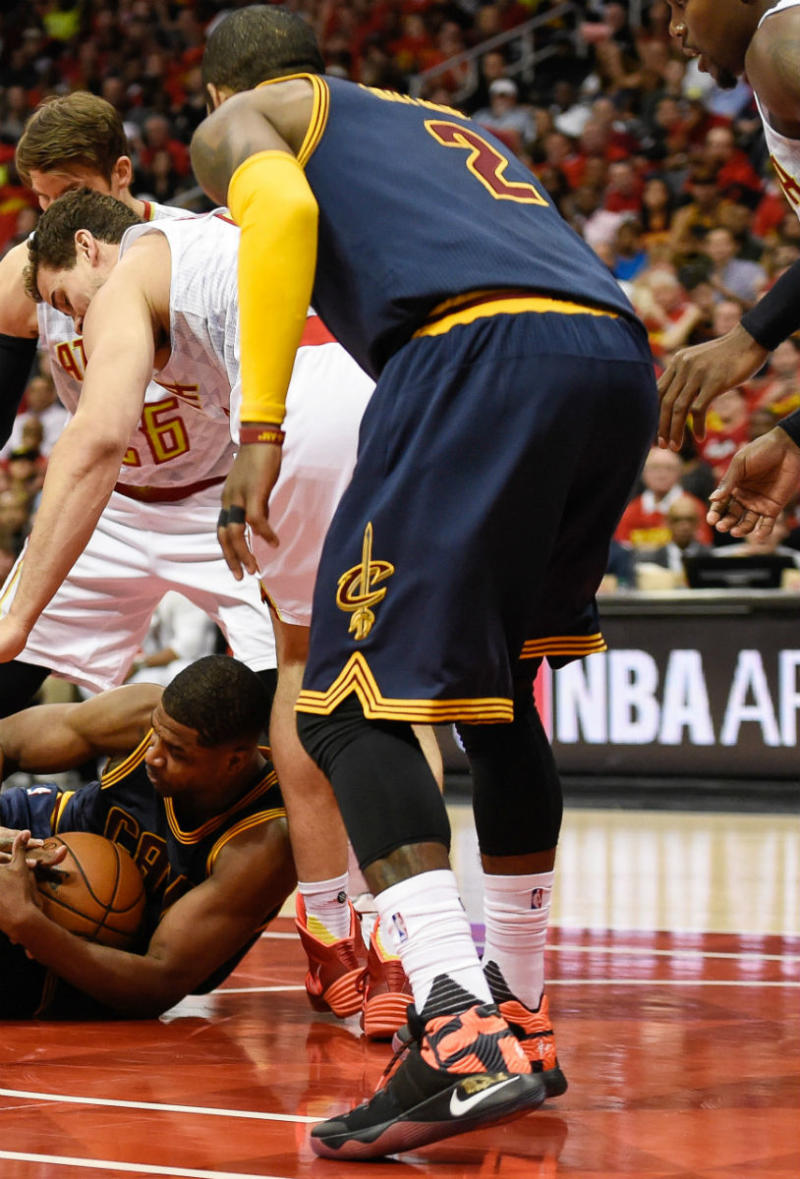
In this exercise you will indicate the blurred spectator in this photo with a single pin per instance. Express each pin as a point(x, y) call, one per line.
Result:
point(779, 388)
point(624, 188)
point(158, 142)
point(25, 469)
point(727, 429)
point(644, 521)
point(504, 116)
point(179, 633)
point(15, 517)
point(736, 178)
point(656, 214)
point(726, 315)
point(40, 403)
point(669, 315)
point(693, 220)
point(732, 277)
point(683, 519)
point(630, 256)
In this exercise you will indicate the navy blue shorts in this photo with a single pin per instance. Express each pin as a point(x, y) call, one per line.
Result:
point(494, 462)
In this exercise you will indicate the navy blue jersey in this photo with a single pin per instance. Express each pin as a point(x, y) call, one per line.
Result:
point(125, 808)
point(419, 204)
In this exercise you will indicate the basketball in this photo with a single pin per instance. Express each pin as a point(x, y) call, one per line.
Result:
point(100, 895)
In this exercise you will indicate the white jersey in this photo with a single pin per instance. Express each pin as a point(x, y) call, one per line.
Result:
point(156, 534)
point(327, 396)
point(178, 442)
point(784, 152)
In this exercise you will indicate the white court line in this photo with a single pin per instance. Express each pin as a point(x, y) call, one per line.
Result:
point(56, 1160)
point(253, 991)
point(207, 1111)
point(744, 956)
point(287, 937)
point(568, 982)
point(664, 982)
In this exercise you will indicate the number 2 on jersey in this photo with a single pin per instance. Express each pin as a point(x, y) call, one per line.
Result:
point(484, 161)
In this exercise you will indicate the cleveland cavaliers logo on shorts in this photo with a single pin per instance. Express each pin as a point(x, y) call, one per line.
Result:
point(356, 592)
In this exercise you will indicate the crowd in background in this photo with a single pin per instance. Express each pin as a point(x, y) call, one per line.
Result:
point(665, 175)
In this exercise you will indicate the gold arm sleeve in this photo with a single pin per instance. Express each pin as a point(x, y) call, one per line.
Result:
point(272, 203)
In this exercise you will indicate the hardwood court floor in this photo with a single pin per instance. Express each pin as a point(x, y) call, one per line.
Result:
point(677, 1019)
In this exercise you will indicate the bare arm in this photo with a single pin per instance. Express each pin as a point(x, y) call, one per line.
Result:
point(695, 376)
point(119, 337)
point(53, 737)
point(761, 479)
point(17, 310)
point(245, 153)
point(252, 875)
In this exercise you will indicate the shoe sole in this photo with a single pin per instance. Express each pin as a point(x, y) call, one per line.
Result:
point(517, 1095)
point(384, 1014)
point(344, 997)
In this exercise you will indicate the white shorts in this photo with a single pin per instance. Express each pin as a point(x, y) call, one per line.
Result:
point(324, 406)
point(94, 625)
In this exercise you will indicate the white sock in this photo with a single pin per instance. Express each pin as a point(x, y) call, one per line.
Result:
point(516, 910)
point(327, 910)
point(423, 919)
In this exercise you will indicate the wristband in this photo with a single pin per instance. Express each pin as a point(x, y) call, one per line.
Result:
point(777, 314)
point(271, 434)
point(791, 425)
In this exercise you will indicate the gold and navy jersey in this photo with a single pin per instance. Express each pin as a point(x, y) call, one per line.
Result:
point(125, 808)
point(479, 220)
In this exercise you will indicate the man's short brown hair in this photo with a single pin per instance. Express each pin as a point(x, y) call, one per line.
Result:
point(52, 244)
point(77, 129)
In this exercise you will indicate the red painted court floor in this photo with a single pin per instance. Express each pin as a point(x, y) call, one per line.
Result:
point(682, 1052)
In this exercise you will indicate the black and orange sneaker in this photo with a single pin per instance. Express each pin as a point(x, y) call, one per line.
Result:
point(336, 969)
point(387, 993)
point(533, 1029)
point(457, 1073)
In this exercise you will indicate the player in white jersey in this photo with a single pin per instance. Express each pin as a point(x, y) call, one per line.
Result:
point(759, 38)
point(158, 530)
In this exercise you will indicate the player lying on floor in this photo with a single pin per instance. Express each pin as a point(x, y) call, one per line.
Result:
point(193, 798)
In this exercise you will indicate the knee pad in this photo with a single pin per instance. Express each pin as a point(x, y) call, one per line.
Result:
point(386, 792)
point(517, 796)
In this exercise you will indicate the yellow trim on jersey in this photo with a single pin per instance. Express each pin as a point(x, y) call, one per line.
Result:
point(58, 810)
point(123, 768)
point(356, 677)
point(510, 303)
point(574, 646)
point(11, 584)
point(190, 837)
point(319, 112)
point(247, 824)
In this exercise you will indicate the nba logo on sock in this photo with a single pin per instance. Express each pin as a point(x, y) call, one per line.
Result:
point(537, 898)
point(400, 931)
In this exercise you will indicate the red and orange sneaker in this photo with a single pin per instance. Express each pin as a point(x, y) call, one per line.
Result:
point(458, 1072)
point(336, 969)
point(387, 993)
point(534, 1031)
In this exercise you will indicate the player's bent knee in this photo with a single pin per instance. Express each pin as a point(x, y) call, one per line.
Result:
point(386, 792)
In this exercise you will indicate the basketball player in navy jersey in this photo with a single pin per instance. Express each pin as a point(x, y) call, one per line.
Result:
point(758, 38)
point(515, 401)
point(192, 797)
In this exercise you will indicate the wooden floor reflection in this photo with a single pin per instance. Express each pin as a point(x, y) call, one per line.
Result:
point(674, 969)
